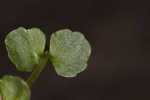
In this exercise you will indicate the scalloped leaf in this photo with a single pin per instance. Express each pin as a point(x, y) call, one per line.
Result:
point(25, 46)
point(69, 52)
point(14, 88)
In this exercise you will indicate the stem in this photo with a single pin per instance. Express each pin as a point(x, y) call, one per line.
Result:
point(36, 73)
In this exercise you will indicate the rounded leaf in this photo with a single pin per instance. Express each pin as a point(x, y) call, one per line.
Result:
point(24, 47)
point(14, 88)
point(69, 52)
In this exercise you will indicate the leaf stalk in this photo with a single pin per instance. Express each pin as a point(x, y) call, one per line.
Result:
point(36, 73)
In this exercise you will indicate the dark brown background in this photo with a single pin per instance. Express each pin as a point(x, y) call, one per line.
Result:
point(118, 30)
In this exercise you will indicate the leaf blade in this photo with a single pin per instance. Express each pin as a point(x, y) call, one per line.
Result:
point(69, 52)
point(14, 88)
point(24, 47)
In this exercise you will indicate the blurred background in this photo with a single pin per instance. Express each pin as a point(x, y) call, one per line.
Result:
point(118, 31)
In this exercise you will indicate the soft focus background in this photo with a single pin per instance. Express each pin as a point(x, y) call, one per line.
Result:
point(118, 30)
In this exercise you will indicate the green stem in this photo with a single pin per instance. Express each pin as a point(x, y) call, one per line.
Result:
point(36, 73)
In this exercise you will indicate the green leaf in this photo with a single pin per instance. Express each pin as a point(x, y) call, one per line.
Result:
point(14, 88)
point(69, 52)
point(25, 46)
